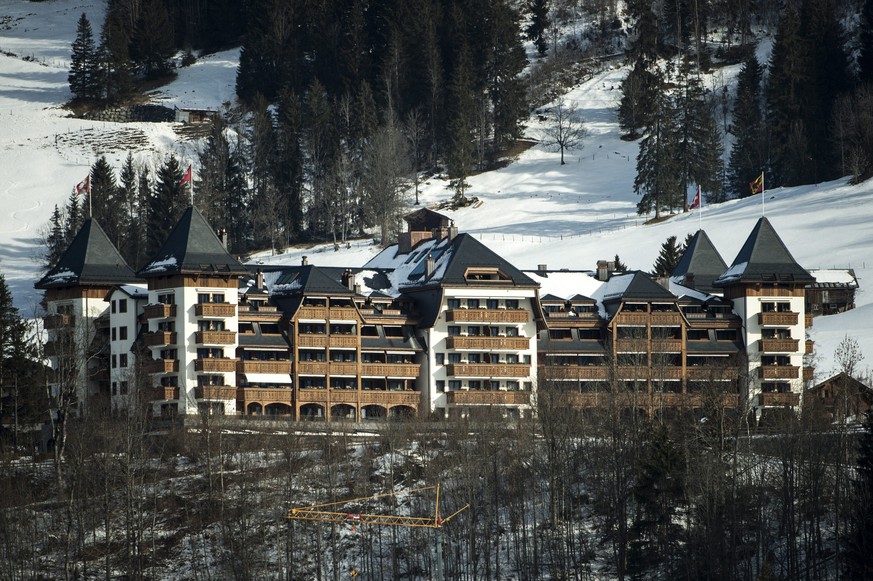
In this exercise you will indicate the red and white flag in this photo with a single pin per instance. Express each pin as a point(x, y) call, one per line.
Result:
point(696, 202)
point(187, 177)
point(84, 187)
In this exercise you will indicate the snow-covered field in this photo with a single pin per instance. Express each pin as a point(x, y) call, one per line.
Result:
point(534, 211)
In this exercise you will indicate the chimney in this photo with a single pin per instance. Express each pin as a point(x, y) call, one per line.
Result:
point(603, 270)
point(542, 269)
point(259, 279)
point(222, 236)
point(453, 232)
point(304, 261)
point(429, 266)
point(348, 279)
point(357, 287)
point(664, 281)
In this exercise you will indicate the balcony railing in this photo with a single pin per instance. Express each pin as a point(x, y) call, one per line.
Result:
point(808, 373)
point(52, 322)
point(265, 396)
point(253, 366)
point(339, 340)
point(488, 370)
point(778, 345)
point(312, 340)
point(215, 337)
point(215, 310)
point(779, 399)
point(215, 392)
point(779, 372)
point(774, 319)
point(632, 319)
point(390, 369)
point(694, 400)
point(162, 366)
point(311, 367)
point(161, 393)
point(159, 311)
point(666, 345)
point(489, 343)
point(487, 316)
point(390, 398)
point(666, 318)
point(480, 397)
point(315, 395)
point(159, 338)
point(327, 314)
point(548, 372)
point(215, 365)
point(809, 347)
point(711, 372)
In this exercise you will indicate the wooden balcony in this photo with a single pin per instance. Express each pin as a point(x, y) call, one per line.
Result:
point(638, 319)
point(488, 370)
point(556, 372)
point(773, 319)
point(711, 372)
point(778, 345)
point(779, 372)
point(159, 338)
point(694, 400)
point(327, 314)
point(161, 393)
point(779, 399)
point(159, 311)
point(162, 366)
point(337, 340)
point(478, 397)
point(215, 392)
point(390, 398)
point(632, 345)
point(311, 340)
point(215, 310)
point(669, 318)
point(489, 343)
point(52, 322)
point(666, 345)
point(810, 347)
point(215, 365)
point(252, 366)
point(390, 369)
point(215, 337)
point(807, 320)
point(265, 396)
point(343, 368)
point(808, 373)
point(319, 396)
point(311, 367)
point(487, 316)
point(261, 309)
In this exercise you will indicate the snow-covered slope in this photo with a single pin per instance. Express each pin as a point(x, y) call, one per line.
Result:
point(534, 211)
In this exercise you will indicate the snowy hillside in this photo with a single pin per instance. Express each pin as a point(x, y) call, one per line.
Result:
point(535, 211)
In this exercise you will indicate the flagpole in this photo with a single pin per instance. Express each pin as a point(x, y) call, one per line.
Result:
point(699, 210)
point(762, 194)
point(90, 213)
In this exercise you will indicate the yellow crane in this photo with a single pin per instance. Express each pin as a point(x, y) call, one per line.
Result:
point(327, 512)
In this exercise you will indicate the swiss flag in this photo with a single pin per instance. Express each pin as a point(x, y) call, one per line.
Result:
point(187, 177)
point(84, 187)
point(696, 202)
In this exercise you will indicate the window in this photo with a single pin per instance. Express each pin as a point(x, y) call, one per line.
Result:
point(512, 331)
point(492, 303)
point(123, 388)
point(114, 362)
point(475, 384)
point(203, 297)
point(122, 305)
point(454, 384)
point(473, 331)
point(269, 328)
point(113, 333)
point(440, 385)
point(122, 360)
point(209, 353)
point(474, 357)
point(527, 359)
point(167, 299)
point(169, 353)
point(512, 385)
point(440, 358)
point(472, 303)
point(122, 333)
point(454, 357)
point(511, 358)
point(113, 311)
point(114, 384)
point(210, 325)
point(454, 330)
point(453, 303)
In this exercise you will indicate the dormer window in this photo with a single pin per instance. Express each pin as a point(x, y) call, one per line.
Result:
point(480, 274)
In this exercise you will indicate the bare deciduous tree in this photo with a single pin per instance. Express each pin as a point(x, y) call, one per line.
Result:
point(565, 129)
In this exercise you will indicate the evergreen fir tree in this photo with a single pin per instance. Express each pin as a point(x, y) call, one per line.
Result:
point(461, 110)
point(84, 68)
point(668, 258)
point(167, 202)
point(788, 74)
point(539, 23)
point(289, 159)
point(747, 156)
point(114, 55)
point(74, 217)
point(658, 175)
point(505, 86)
point(619, 265)
point(153, 43)
point(865, 41)
point(132, 227)
point(105, 204)
point(639, 91)
point(56, 240)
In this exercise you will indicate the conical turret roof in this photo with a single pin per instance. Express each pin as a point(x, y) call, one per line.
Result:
point(192, 248)
point(702, 260)
point(90, 259)
point(764, 258)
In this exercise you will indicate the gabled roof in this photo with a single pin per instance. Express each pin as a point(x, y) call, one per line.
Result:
point(764, 258)
point(463, 253)
point(702, 260)
point(193, 248)
point(550, 298)
point(90, 259)
point(426, 219)
point(635, 285)
point(309, 279)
